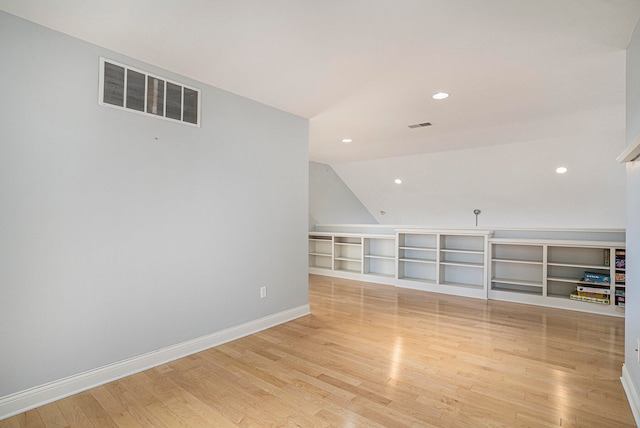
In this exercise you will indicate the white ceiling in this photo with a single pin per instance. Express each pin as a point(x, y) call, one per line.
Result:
point(517, 70)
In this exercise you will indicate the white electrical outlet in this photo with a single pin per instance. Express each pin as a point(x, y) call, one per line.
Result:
point(263, 292)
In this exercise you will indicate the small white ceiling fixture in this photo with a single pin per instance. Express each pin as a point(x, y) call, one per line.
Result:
point(347, 140)
point(397, 181)
point(440, 96)
point(561, 169)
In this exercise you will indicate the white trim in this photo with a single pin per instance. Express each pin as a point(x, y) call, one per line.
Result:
point(632, 394)
point(466, 228)
point(556, 242)
point(631, 152)
point(14, 404)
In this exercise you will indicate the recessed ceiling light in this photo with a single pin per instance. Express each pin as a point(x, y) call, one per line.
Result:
point(347, 140)
point(397, 181)
point(440, 96)
point(561, 170)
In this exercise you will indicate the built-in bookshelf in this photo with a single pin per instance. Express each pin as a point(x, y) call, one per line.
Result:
point(583, 270)
point(571, 274)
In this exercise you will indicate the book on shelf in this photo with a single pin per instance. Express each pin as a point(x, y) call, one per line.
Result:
point(599, 300)
point(621, 259)
point(600, 278)
point(594, 290)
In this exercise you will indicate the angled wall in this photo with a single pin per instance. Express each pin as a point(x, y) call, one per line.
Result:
point(331, 201)
point(121, 234)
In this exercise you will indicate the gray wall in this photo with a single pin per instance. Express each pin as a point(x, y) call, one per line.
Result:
point(331, 201)
point(632, 312)
point(121, 234)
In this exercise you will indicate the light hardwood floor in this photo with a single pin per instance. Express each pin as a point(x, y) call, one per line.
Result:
point(377, 356)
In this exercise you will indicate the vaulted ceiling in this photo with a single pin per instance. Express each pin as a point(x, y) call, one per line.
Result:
point(516, 70)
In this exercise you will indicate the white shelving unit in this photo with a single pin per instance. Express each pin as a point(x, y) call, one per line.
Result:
point(547, 272)
point(463, 260)
point(518, 267)
point(443, 261)
point(380, 256)
point(418, 257)
point(347, 253)
point(367, 257)
point(451, 262)
point(321, 251)
point(513, 266)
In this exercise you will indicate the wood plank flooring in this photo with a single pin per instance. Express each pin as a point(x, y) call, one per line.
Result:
point(377, 356)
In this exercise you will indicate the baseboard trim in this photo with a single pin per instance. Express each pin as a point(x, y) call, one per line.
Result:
point(14, 404)
point(632, 394)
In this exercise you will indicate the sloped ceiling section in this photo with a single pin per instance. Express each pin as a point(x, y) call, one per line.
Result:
point(366, 69)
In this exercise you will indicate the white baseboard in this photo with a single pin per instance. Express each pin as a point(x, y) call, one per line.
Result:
point(14, 404)
point(632, 393)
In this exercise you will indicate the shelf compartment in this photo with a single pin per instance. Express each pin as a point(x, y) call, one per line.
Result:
point(461, 284)
point(347, 265)
point(380, 247)
point(417, 241)
point(321, 251)
point(462, 258)
point(380, 266)
point(516, 286)
point(357, 240)
point(417, 255)
point(417, 271)
point(570, 273)
point(463, 243)
point(560, 287)
point(462, 275)
point(518, 253)
point(420, 280)
point(320, 261)
point(347, 249)
point(585, 257)
point(526, 273)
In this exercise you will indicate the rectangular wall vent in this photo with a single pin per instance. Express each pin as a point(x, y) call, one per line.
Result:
point(420, 125)
point(134, 90)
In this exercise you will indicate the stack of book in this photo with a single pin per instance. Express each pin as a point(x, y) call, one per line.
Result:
point(620, 298)
point(621, 262)
point(592, 294)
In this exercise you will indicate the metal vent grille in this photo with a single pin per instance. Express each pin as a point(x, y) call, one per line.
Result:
point(134, 90)
point(420, 125)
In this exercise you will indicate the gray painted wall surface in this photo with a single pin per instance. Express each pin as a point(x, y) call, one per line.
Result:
point(121, 234)
point(632, 312)
point(331, 201)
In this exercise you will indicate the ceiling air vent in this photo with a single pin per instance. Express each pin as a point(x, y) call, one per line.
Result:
point(134, 90)
point(420, 125)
